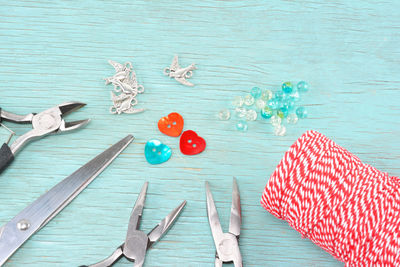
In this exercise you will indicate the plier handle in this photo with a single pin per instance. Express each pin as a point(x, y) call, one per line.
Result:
point(44, 123)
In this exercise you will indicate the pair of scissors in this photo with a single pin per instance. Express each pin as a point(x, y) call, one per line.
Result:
point(35, 216)
point(44, 123)
point(138, 242)
point(226, 244)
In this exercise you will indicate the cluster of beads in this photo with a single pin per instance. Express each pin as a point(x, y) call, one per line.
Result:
point(273, 106)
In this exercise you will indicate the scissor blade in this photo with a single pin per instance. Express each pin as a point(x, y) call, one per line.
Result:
point(134, 221)
point(42, 210)
point(236, 212)
point(164, 225)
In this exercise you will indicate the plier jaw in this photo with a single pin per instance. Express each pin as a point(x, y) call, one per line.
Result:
point(44, 123)
point(226, 244)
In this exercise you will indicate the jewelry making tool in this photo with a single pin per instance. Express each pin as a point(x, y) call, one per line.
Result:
point(138, 242)
point(180, 74)
point(34, 217)
point(47, 122)
point(226, 244)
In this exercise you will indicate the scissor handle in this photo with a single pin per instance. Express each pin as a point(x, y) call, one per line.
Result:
point(6, 157)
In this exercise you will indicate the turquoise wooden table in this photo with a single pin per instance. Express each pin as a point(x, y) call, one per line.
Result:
point(53, 51)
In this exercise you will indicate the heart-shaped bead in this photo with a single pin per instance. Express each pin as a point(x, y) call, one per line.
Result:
point(191, 144)
point(171, 125)
point(157, 152)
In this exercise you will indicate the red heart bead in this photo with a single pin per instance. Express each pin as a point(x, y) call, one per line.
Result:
point(191, 144)
point(171, 125)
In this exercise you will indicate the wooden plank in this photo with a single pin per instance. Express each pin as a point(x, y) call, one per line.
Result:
point(53, 52)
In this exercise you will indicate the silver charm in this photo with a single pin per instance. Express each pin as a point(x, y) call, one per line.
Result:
point(180, 74)
point(125, 83)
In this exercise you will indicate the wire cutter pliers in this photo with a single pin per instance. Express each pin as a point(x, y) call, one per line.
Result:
point(226, 244)
point(44, 123)
point(138, 242)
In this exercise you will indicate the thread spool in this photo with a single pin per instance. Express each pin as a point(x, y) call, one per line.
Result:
point(348, 208)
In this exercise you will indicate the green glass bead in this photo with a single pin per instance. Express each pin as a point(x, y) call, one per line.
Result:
point(287, 87)
point(282, 112)
point(267, 113)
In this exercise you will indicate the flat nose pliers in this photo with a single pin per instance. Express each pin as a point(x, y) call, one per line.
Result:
point(46, 122)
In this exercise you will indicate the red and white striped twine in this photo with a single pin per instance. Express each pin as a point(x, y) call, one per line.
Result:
point(346, 207)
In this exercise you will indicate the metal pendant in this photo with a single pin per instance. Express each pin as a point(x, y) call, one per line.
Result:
point(126, 85)
point(178, 73)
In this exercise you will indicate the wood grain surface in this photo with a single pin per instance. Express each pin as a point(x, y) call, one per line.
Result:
point(57, 51)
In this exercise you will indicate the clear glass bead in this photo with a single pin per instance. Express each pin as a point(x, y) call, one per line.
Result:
point(267, 113)
point(238, 101)
point(260, 104)
point(302, 86)
point(251, 115)
point(248, 100)
point(273, 103)
point(241, 126)
point(240, 112)
point(280, 130)
point(275, 120)
point(224, 114)
point(292, 118)
point(301, 112)
point(287, 87)
point(266, 95)
point(256, 92)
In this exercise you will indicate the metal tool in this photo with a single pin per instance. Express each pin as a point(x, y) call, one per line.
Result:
point(138, 242)
point(180, 74)
point(35, 216)
point(226, 244)
point(47, 122)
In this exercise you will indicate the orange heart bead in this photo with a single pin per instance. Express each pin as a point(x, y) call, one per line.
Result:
point(171, 125)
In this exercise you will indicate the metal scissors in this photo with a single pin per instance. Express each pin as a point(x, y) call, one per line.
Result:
point(43, 123)
point(35, 216)
point(138, 242)
point(226, 244)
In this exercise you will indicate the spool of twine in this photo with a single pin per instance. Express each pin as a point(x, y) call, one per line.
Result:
point(348, 208)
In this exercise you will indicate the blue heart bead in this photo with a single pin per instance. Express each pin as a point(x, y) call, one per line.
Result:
point(157, 152)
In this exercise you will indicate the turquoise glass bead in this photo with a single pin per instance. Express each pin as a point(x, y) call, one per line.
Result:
point(295, 96)
point(287, 87)
point(279, 95)
point(267, 113)
point(302, 87)
point(256, 92)
point(273, 103)
point(289, 104)
point(301, 112)
point(241, 126)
